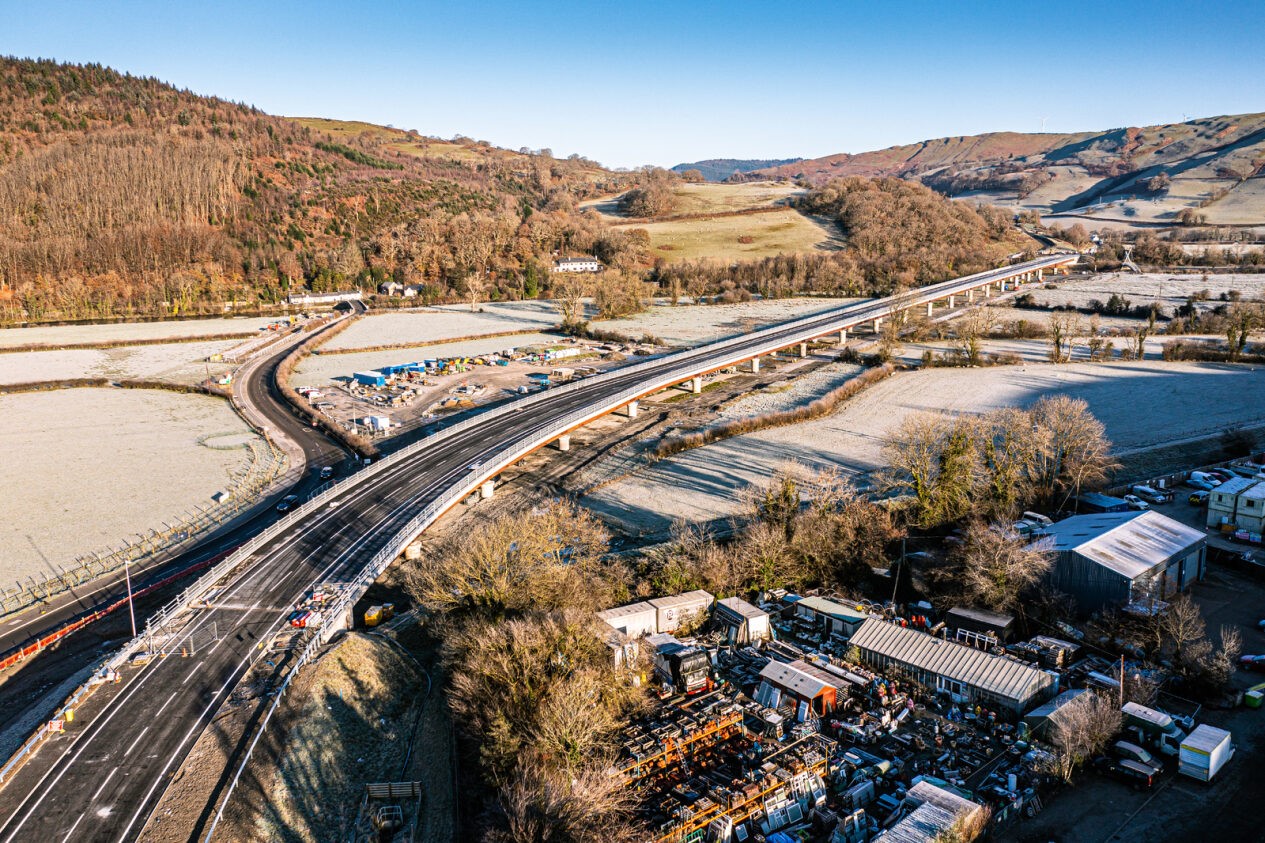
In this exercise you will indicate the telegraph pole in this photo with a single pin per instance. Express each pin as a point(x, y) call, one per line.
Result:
point(127, 574)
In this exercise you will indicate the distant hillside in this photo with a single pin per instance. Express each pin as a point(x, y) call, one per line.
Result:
point(720, 169)
point(1210, 167)
point(123, 195)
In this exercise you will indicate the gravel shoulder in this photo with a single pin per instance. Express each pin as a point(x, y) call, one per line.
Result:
point(86, 468)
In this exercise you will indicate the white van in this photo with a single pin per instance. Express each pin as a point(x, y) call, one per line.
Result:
point(1151, 495)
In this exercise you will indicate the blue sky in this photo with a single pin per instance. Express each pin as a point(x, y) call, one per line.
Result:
point(663, 82)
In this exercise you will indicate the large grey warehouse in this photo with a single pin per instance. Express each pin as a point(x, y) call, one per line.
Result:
point(1120, 558)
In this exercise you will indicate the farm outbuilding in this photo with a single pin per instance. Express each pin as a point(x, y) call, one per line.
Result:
point(1123, 558)
point(967, 674)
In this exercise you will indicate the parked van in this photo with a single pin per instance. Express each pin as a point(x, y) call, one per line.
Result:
point(1151, 495)
point(1205, 477)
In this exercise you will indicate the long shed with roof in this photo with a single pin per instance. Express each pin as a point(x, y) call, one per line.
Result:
point(968, 675)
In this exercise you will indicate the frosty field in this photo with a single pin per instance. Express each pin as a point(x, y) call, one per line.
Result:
point(86, 468)
point(1140, 404)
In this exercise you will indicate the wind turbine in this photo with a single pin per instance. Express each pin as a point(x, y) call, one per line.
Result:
point(1043, 119)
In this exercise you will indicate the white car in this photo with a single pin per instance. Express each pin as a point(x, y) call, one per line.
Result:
point(1136, 502)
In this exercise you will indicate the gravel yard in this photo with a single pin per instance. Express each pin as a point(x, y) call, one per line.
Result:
point(319, 369)
point(86, 468)
point(791, 393)
point(443, 323)
point(127, 331)
point(699, 323)
point(1140, 404)
point(182, 362)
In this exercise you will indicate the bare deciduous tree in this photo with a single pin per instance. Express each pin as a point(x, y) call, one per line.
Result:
point(1081, 729)
point(995, 568)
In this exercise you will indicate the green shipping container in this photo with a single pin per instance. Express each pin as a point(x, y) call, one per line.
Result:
point(1252, 699)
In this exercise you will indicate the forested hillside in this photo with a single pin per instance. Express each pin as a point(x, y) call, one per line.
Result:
point(122, 195)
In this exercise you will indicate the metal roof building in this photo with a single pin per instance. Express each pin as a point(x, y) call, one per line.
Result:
point(1123, 557)
point(967, 674)
point(935, 812)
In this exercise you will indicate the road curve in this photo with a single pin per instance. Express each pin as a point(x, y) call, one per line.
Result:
point(101, 778)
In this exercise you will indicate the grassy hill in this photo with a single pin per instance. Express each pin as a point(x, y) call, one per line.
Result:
point(122, 195)
point(1211, 166)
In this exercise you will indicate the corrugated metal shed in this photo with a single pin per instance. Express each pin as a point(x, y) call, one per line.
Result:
point(936, 812)
point(998, 675)
point(794, 678)
point(1129, 543)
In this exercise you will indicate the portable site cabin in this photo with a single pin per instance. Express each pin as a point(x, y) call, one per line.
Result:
point(1095, 502)
point(968, 675)
point(678, 610)
point(741, 622)
point(370, 378)
point(633, 620)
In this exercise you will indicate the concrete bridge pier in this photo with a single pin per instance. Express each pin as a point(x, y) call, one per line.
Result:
point(755, 365)
point(878, 324)
point(564, 442)
point(632, 409)
point(930, 307)
point(1040, 275)
point(487, 489)
point(970, 296)
point(696, 385)
point(952, 299)
point(803, 350)
point(843, 336)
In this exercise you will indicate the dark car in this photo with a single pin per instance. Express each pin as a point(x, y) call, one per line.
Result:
point(1252, 662)
point(1136, 775)
point(287, 503)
